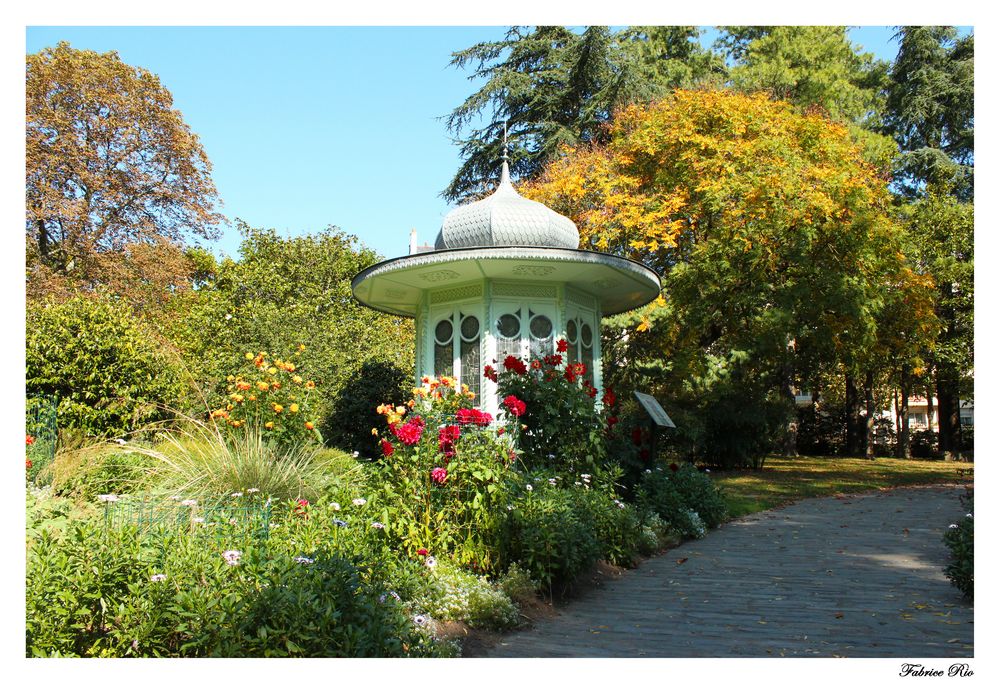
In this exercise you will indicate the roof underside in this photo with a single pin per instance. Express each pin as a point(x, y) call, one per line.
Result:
point(395, 286)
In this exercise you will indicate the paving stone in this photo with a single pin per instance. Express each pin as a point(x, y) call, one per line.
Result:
point(854, 576)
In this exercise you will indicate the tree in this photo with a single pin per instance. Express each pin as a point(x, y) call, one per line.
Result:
point(552, 86)
point(284, 292)
point(772, 233)
point(930, 110)
point(930, 113)
point(114, 177)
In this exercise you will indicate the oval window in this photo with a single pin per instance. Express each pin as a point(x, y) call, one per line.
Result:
point(509, 326)
point(541, 327)
point(470, 328)
point(586, 336)
point(443, 331)
point(571, 331)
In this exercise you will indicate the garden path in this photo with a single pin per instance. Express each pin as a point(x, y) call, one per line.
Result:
point(847, 576)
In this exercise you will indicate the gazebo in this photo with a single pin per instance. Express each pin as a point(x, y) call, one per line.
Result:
point(506, 276)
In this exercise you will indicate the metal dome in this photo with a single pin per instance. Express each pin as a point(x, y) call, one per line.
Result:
point(506, 219)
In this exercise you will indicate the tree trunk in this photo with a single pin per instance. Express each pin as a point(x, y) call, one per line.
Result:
point(790, 446)
point(855, 423)
point(929, 391)
point(870, 415)
point(904, 419)
point(948, 412)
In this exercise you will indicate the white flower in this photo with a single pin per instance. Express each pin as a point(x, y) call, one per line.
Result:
point(953, 526)
point(232, 557)
point(189, 502)
point(707, 470)
point(355, 454)
point(528, 487)
point(236, 494)
point(968, 515)
point(335, 506)
point(648, 471)
point(199, 520)
point(107, 498)
point(120, 441)
point(420, 620)
point(430, 562)
point(175, 498)
point(229, 317)
point(552, 457)
point(510, 507)
point(552, 481)
point(584, 476)
point(157, 578)
point(378, 526)
point(359, 502)
point(303, 560)
point(252, 490)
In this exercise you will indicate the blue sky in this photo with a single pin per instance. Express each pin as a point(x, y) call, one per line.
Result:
point(312, 126)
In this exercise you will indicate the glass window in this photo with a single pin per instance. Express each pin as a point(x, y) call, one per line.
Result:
point(470, 356)
point(509, 335)
point(540, 327)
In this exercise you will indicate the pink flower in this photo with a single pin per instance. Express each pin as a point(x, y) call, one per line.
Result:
point(409, 432)
point(439, 475)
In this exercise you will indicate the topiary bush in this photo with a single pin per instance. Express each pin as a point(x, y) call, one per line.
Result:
point(106, 368)
point(351, 419)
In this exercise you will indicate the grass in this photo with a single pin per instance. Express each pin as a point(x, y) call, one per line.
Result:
point(783, 480)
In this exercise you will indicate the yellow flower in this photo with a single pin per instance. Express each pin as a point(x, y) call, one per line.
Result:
point(263, 386)
point(248, 356)
point(446, 381)
point(375, 432)
point(310, 384)
point(465, 388)
point(297, 379)
point(278, 408)
point(294, 408)
point(290, 367)
point(382, 409)
point(252, 397)
point(236, 397)
point(302, 347)
point(272, 370)
point(276, 385)
point(230, 378)
point(410, 403)
point(309, 425)
point(392, 418)
point(401, 410)
point(269, 425)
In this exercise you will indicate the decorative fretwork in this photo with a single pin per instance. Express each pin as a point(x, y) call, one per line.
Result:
point(438, 276)
point(580, 298)
point(533, 270)
point(525, 290)
point(452, 294)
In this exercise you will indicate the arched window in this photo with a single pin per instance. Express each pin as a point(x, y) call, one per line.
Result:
point(456, 347)
point(581, 343)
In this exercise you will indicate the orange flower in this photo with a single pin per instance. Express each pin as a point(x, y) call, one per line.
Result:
point(242, 385)
point(263, 386)
point(310, 384)
point(276, 385)
point(278, 408)
point(309, 425)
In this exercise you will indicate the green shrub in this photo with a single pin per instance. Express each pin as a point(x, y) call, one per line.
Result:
point(106, 369)
point(88, 471)
point(351, 418)
point(445, 480)
point(552, 536)
point(461, 595)
point(686, 499)
point(961, 564)
point(306, 591)
point(563, 429)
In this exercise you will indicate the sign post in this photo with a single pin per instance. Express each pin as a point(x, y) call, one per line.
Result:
point(655, 411)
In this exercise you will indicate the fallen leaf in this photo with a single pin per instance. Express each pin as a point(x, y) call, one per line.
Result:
point(838, 615)
point(681, 560)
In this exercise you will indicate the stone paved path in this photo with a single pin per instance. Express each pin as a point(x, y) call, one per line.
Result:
point(853, 576)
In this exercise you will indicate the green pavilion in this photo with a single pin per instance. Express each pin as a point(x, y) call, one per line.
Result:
point(506, 276)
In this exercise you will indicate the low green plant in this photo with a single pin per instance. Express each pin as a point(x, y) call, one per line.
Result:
point(685, 498)
point(202, 461)
point(462, 595)
point(88, 471)
point(552, 535)
point(959, 538)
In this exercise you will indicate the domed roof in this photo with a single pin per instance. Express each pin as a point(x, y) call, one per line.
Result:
point(505, 219)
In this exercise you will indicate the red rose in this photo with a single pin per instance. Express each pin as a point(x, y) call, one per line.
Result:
point(514, 406)
point(447, 436)
point(421, 552)
point(387, 448)
point(562, 346)
point(439, 475)
point(612, 420)
point(609, 397)
point(467, 416)
point(29, 440)
point(27, 464)
point(490, 373)
point(409, 432)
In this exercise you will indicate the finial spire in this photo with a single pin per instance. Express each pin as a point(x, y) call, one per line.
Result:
point(504, 156)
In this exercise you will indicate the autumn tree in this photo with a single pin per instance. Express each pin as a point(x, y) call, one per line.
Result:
point(115, 179)
point(772, 233)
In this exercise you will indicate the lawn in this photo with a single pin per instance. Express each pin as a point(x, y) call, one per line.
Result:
point(783, 480)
